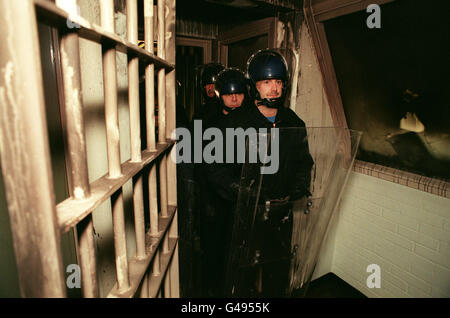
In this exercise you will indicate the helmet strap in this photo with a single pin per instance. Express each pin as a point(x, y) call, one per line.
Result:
point(271, 103)
point(228, 109)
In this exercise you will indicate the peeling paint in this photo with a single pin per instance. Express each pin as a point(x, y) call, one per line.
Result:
point(113, 132)
point(295, 77)
point(121, 263)
point(78, 192)
point(73, 93)
point(280, 33)
point(9, 99)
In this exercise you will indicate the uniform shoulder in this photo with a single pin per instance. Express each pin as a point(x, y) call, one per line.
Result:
point(237, 117)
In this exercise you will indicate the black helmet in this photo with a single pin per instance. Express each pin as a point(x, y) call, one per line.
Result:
point(267, 64)
point(231, 81)
point(209, 73)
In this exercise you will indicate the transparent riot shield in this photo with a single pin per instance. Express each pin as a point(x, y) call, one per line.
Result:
point(291, 182)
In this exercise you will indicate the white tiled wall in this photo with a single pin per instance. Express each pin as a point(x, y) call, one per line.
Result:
point(403, 230)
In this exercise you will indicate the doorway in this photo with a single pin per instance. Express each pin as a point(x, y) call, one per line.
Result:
point(232, 48)
point(190, 55)
point(238, 43)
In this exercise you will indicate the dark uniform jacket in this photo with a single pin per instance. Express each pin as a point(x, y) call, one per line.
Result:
point(262, 235)
point(295, 162)
point(208, 111)
point(215, 217)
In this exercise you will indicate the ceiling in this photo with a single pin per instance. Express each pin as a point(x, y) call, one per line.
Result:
point(229, 11)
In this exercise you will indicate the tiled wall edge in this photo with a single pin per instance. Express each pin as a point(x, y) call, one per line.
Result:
point(415, 181)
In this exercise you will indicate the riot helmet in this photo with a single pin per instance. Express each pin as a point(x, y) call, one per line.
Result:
point(266, 65)
point(209, 76)
point(231, 81)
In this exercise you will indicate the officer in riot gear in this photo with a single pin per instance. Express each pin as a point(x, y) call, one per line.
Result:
point(268, 66)
point(209, 76)
point(231, 89)
point(188, 218)
point(192, 198)
point(209, 107)
point(232, 92)
point(260, 245)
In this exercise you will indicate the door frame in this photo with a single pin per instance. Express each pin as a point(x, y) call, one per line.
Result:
point(316, 13)
point(245, 31)
point(205, 44)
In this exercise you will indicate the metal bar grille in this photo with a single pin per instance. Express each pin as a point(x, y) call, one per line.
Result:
point(51, 14)
point(135, 133)
point(154, 267)
point(74, 123)
point(25, 157)
point(171, 125)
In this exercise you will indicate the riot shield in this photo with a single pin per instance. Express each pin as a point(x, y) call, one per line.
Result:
point(291, 182)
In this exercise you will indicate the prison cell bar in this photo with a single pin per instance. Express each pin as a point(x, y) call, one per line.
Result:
point(74, 123)
point(74, 210)
point(169, 67)
point(149, 76)
point(162, 106)
point(88, 264)
point(25, 155)
point(161, 5)
point(140, 267)
point(150, 112)
point(156, 275)
point(151, 129)
point(113, 145)
point(160, 265)
point(57, 17)
point(171, 125)
point(135, 129)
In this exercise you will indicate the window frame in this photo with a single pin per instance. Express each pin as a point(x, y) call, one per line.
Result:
point(316, 13)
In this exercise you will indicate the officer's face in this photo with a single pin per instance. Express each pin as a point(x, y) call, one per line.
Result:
point(233, 100)
point(270, 88)
point(209, 88)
